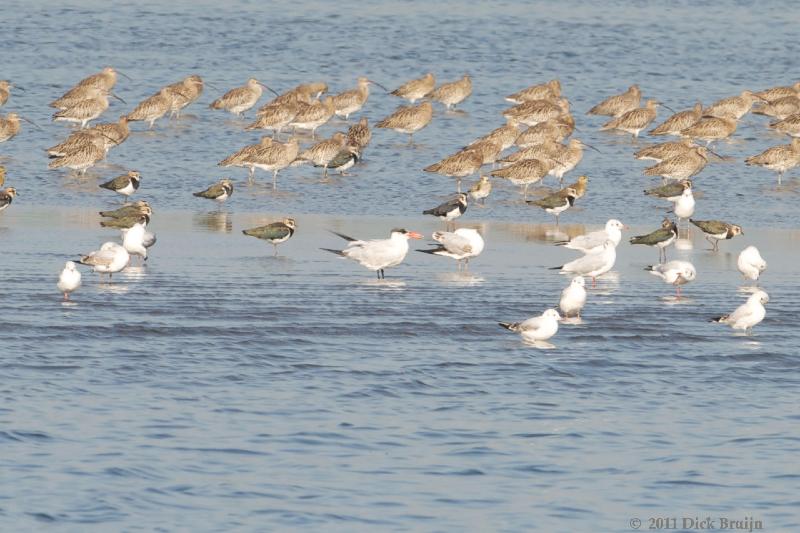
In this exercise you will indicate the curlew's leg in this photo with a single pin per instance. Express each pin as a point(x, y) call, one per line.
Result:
point(275, 247)
point(594, 282)
point(66, 296)
point(274, 179)
point(525, 192)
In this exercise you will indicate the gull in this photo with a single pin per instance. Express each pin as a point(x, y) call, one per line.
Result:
point(449, 210)
point(594, 264)
point(684, 205)
point(125, 185)
point(133, 238)
point(462, 245)
point(660, 238)
point(220, 191)
point(747, 315)
point(274, 233)
point(6, 197)
point(538, 328)
point(377, 254)
point(717, 230)
point(676, 273)
point(69, 280)
point(573, 297)
point(751, 264)
point(110, 258)
point(590, 242)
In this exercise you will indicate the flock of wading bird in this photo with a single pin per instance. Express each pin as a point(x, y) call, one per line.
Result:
point(537, 125)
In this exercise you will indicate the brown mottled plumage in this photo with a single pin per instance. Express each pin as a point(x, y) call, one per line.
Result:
point(452, 93)
point(618, 105)
point(408, 119)
point(415, 89)
point(542, 91)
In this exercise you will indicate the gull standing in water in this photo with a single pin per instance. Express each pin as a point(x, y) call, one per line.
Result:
point(69, 280)
point(462, 245)
point(592, 241)
point(594, 264)
point(573, 297)
point(133, 238)
point(676, 273)
point(377, 254)
point(538, 328)
point(109, 259)
point(747, 315)
point(751, 264)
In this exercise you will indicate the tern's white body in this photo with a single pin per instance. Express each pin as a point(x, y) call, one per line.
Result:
point(751, 264)
point(573, 297)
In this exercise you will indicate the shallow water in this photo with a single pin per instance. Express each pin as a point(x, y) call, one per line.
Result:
point(219, 388)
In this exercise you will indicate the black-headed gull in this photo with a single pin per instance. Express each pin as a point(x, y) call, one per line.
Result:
point(110, 258)
point(377, 254)
point(69, 280)
point(573, 297)
point(462, 245)
point(538, 328)
point(751, 264)
point(590, 241)
point(747, 315)
point(676, 273)
point(594, 264)
point(133, 238)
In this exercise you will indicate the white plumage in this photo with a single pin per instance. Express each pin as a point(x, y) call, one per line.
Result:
point(596, 239)
point(675, 273)
point(747, 315)
point(462, 244)
point(751, 264)
point(573, 297)
point(538, 328)
point(593, 264)
point(69, 280)
point(110, 258)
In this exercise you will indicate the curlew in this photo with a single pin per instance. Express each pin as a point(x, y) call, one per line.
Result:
point(775, 93)
point(459, 165)
point(549, 130)
point(546, 151)
point(682, 166)
point(9, 126)
point(790, 125)
point(349, 102)
point(453, 93)
point(274, 117)
point(780, 108)
point(536, 111)
point(81, 158)
point(183, 93)
point(542, 91)
point(267, 155)
point(734, 107)
point(663, 151)
point(105, 79)
point(152, 108)
point(359, 134)
point(415, 89)
point(75, 141)
point(312, 90)
point(710, 129)
point(5, 91)
point(568, 158)
point(322, 153)
point(408, 119)
point(115, 133)
point(618, 105)
point(86, 110)
point(312, 116)
point(679, 121)
point(778, 158)
point(504, 136)
point(524, 173)
point(240, 99)
point(488, 149)
point(635, 120)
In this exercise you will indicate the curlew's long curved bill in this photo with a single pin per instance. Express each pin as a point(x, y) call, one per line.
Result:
point(665, 106)
point(31, 122)
point(15, 86)
point(379, 85)
point(215, 87)
point(592, 147)
point(123, 74)
point(267, 88)
point(117, 97)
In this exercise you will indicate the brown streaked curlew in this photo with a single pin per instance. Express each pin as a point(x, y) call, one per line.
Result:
point(790, 125)
point(546, 150)
point(775, 93)
point(115, 133)
point(359, 134)
point(81, 159)
point(312, 116)
point(549, 130)
point(635, 120)
point(9, 126)
point(274, 117)
point(504, 136)
point(322, 153)
point(618, 105)
point(240, 99)
point(710, 129)
point(536, 111)
point(452, 93)
point(489, 150)
point(86, 110)
point(349, 102)
point(682, 166)
point(105, 79)
point(459, 165)
point(662, 151)
point(5, 91)
point(679, 121)
point(524, 173)
point(152, 108)
point(415, 89)
point(542, 91)
point(778, 158)
point(408, 119)
point(734, 107)
point(184, 93)
point(780, 108)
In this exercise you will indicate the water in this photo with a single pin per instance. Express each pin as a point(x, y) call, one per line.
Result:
point(219, 388)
